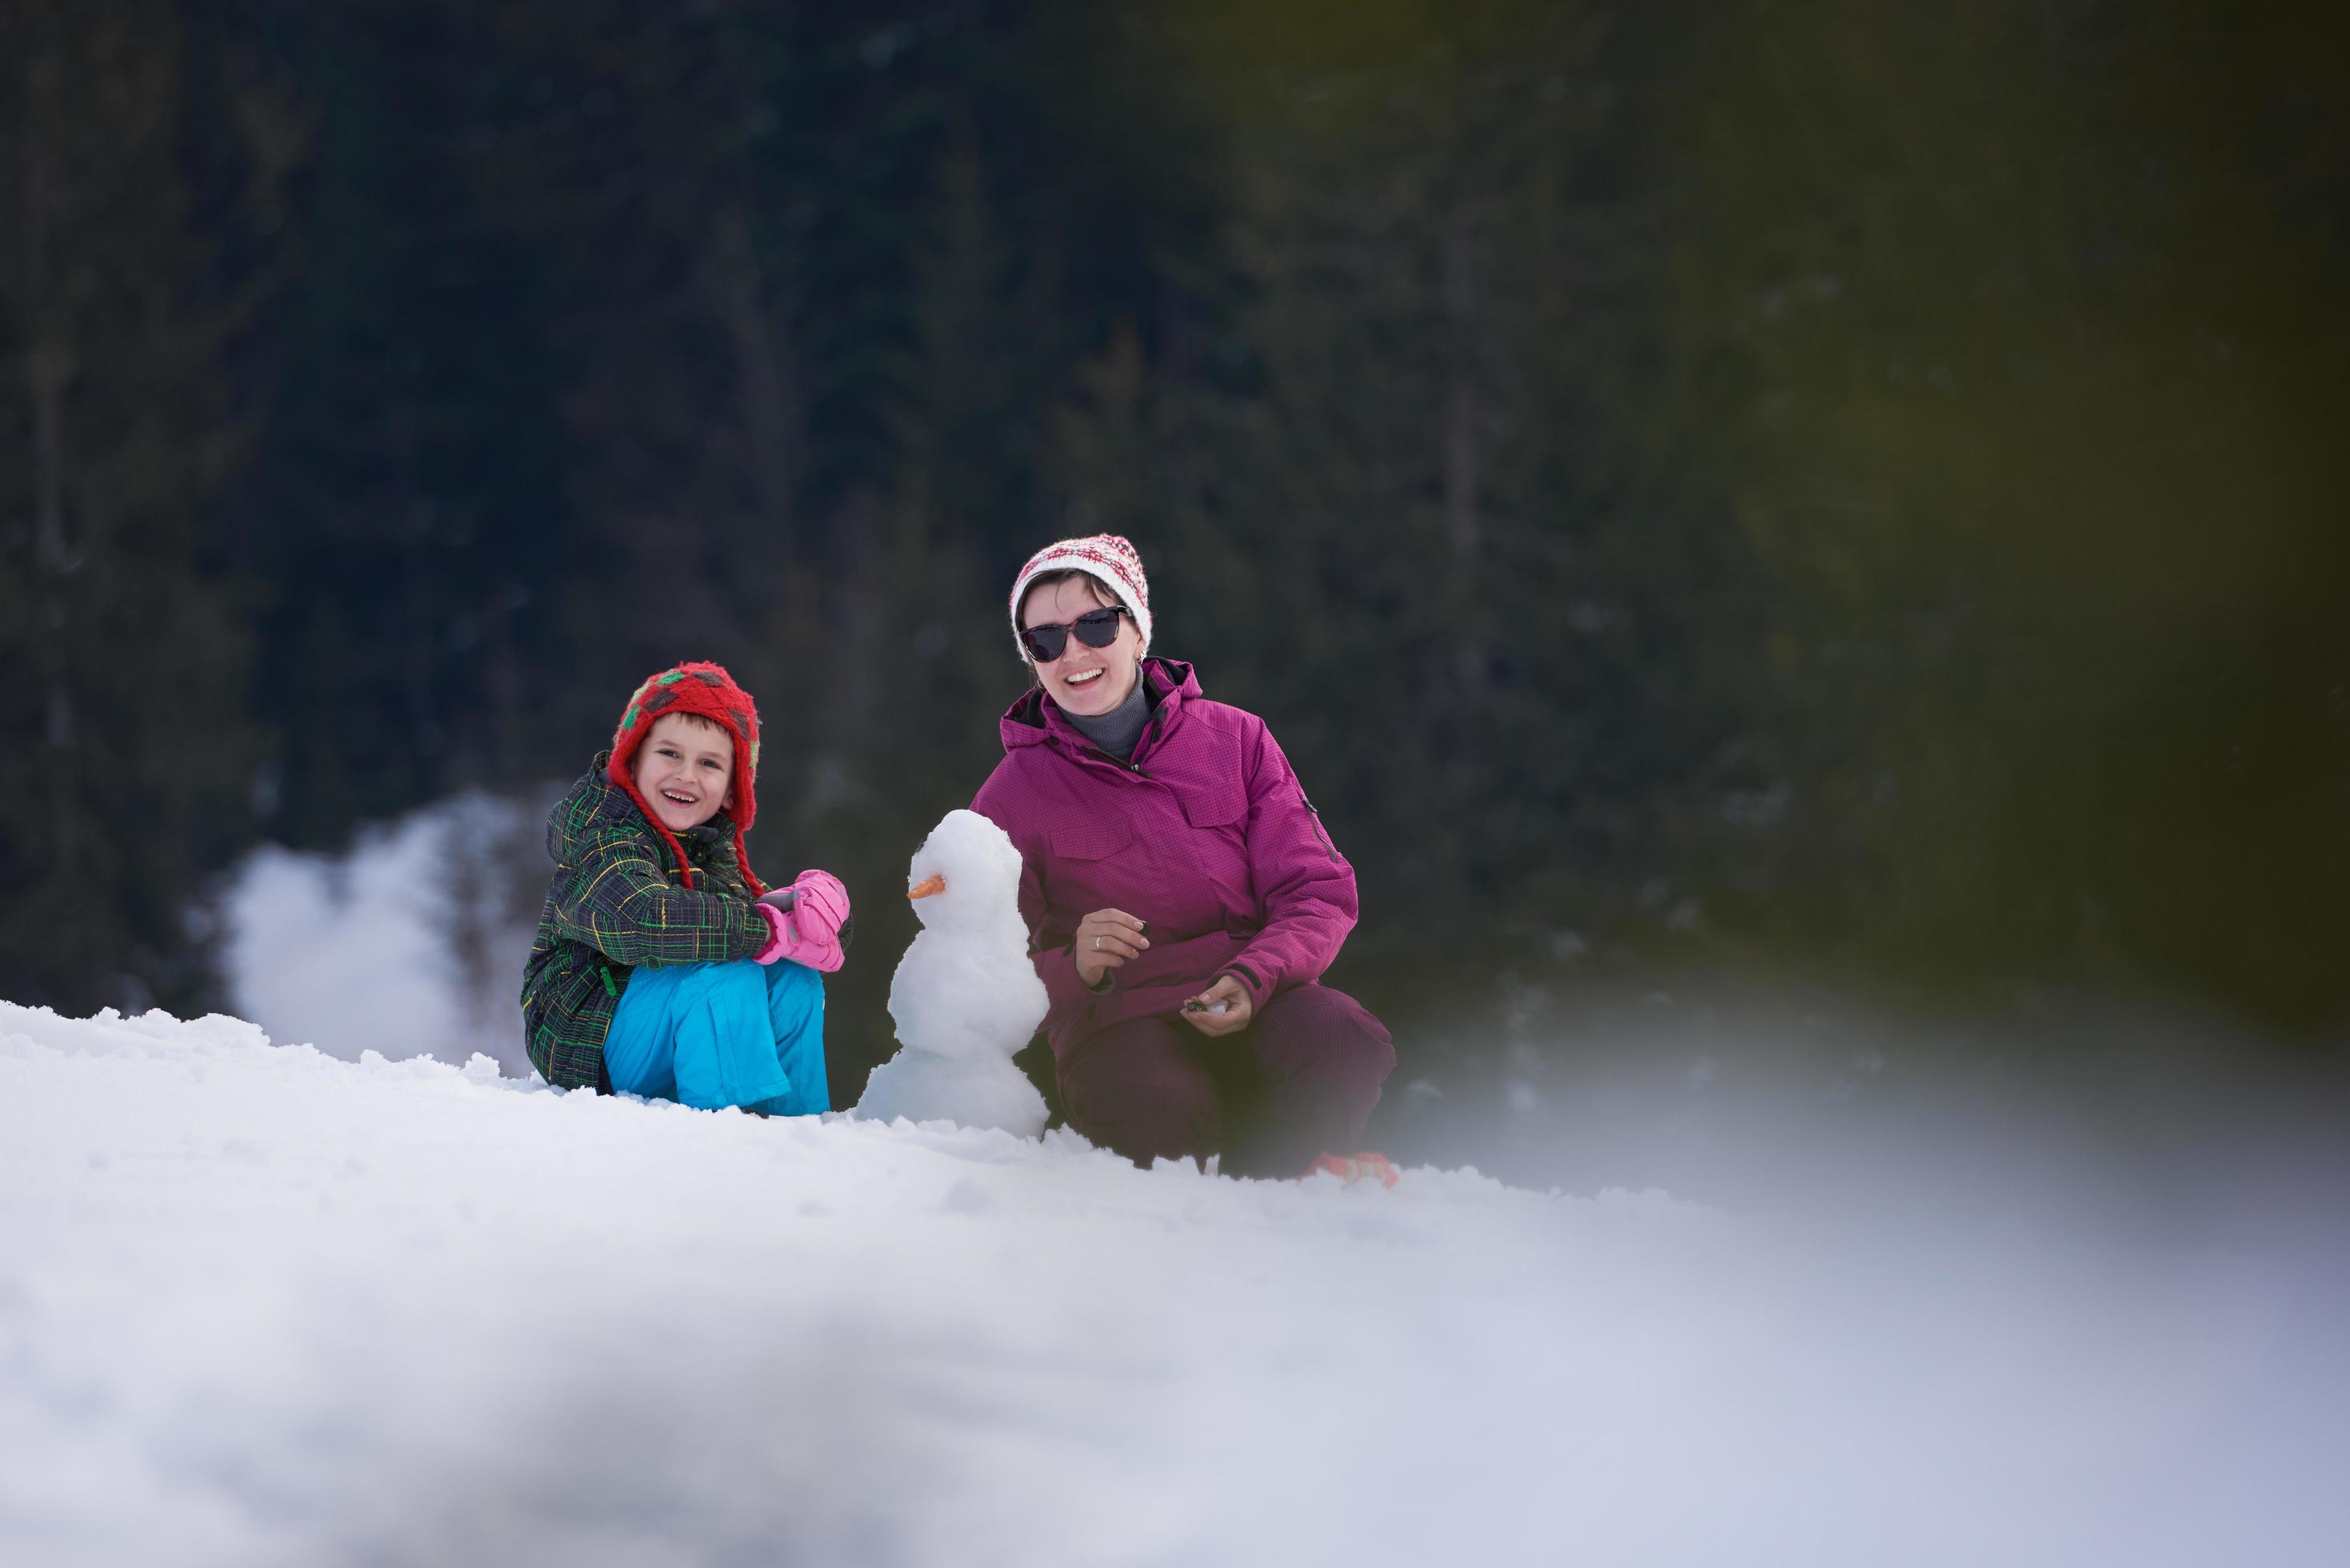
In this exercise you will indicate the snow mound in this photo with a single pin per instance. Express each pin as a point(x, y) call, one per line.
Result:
point(411, 942)
point(262, 1306)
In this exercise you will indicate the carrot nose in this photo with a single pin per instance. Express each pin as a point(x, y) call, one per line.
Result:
point(926, 887)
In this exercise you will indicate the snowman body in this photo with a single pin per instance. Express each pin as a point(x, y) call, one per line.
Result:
point(965, 998)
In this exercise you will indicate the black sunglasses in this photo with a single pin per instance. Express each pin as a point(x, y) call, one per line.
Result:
point(1094, 628)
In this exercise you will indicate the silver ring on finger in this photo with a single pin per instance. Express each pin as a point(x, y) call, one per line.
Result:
point(1096, 944)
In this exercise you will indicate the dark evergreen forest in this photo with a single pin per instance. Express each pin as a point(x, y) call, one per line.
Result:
point(1799, 489)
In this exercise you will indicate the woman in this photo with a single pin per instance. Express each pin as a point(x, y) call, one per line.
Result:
point(1181, 897)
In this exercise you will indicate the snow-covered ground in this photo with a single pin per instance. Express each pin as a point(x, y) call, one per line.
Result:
point(259, 1306)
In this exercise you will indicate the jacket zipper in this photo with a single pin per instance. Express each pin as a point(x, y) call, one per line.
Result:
point(1134, 768)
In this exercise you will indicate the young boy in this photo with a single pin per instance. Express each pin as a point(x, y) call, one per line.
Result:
point(660, 968)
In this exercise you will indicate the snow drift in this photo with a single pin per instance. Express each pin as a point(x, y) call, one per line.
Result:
point(259, 1306)
point(410, 944)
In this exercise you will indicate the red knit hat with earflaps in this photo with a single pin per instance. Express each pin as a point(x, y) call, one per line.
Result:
point(707, 691)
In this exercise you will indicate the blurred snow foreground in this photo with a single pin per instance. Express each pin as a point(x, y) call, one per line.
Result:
point(259, 1306)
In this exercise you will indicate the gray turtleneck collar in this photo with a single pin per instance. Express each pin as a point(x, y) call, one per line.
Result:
point(1119, 730)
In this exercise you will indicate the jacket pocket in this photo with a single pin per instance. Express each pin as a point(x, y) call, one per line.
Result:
point(1218, 805)
point(1095, 840)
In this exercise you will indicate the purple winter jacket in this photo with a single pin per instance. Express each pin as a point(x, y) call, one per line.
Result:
point(1206, 834)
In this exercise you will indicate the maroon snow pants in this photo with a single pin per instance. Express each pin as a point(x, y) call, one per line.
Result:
point(1299, 1081)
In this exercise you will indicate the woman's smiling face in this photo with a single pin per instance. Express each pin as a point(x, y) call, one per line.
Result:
point(1087, 680)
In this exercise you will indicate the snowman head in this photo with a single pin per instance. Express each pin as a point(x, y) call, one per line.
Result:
point(965, 876)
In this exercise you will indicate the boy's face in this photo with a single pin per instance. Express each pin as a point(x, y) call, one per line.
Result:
point(685, 771)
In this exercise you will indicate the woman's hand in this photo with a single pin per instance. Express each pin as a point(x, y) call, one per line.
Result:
point(1201, 1012)
point(1106, 939)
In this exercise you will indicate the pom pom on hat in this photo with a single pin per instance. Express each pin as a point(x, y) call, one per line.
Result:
point(1107, 558)
point(707, 691)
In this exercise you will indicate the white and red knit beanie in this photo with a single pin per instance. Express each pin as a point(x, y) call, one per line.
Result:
point(1105, 558)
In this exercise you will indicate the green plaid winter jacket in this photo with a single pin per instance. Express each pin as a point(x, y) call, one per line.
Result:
point(616, 903)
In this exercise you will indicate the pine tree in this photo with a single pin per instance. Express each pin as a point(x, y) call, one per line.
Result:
point(129, 758)
point(1401, 478)
point(2031, 310)
point(408, 485)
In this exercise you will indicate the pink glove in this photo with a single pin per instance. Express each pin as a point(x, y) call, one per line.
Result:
point(810, 918)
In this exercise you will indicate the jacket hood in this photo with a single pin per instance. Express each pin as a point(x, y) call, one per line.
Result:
point(1036, 720)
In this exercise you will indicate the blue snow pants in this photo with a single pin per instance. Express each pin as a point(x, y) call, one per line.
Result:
point(718, 1035)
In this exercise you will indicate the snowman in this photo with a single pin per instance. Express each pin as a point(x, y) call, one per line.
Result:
point(965, 996)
